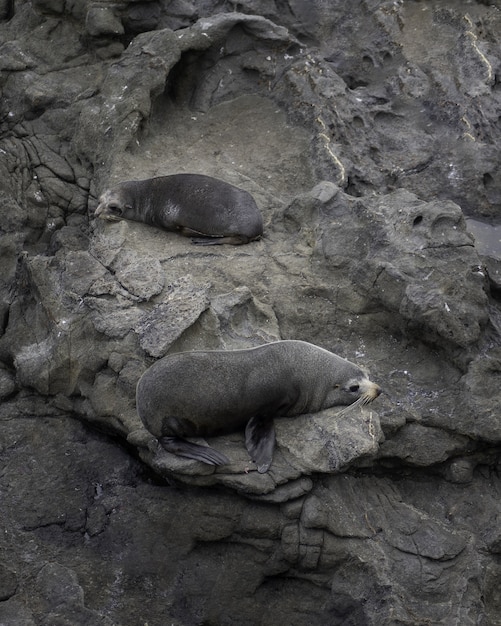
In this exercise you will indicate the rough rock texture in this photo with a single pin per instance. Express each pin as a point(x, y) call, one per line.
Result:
point(368, 133)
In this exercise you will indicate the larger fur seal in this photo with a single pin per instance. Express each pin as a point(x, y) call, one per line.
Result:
point(208, 209)
point(195, 394)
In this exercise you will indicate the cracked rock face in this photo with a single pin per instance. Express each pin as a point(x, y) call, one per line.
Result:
point(367, 135)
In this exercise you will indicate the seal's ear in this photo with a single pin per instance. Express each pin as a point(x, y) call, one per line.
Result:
point(260, 442)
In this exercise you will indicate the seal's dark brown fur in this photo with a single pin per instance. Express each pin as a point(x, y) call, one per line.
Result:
point(207, 209)
point(197, 394)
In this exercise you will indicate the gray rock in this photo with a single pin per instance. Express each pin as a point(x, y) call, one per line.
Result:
point(480, 388)
point(329, 441)
point(8, 583)
point(101, 20)
point(64, 597)
point(7, 384)
point(14, 613)
point(184, 302)
point(422, 445)
point(417, 259)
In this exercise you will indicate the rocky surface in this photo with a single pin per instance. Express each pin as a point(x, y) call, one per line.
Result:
point(368, 134)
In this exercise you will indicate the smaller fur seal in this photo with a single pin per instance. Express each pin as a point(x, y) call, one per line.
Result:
point(207, 209)
point(201, 393)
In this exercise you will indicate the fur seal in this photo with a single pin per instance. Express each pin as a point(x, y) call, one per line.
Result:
point(195, 394)
point(205, 208)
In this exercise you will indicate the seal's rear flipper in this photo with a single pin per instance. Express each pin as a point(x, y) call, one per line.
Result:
point(181, 447)
point(218, 240)
point(260, 442)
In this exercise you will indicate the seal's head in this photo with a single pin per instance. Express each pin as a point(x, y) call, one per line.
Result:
point(357, 391)
point(367, 390)
point(114, 205)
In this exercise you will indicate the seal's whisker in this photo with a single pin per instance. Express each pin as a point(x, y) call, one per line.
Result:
point(351, 406)
point(365, 399)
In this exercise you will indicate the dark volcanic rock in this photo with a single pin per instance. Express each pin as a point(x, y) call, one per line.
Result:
point(366, 132)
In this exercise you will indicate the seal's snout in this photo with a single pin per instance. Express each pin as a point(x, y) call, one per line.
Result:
point(374, 392)
point(108, 209)
point(371, 393)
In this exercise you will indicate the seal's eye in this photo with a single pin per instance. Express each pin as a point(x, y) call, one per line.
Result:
point(354, 388)
point(115, 208)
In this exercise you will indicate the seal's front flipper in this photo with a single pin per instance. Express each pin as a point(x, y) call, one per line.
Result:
point(181, 447)
point(260, 442)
